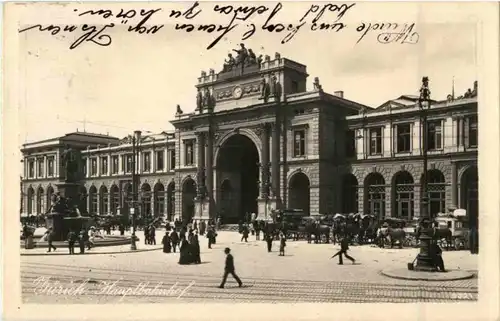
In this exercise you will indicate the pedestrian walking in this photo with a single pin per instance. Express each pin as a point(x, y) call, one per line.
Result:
point(152, 235)
point(244, 233)
point(438, 258)
point(196, 249)
point(81, 241)
point(50, 237)
point(282, 244)
point(146, 234)
point(229, 269)
point(269, 241)
point(344, 246)
point(167, 247)
point(210, 237)
point(71, 241)
point(174, 237)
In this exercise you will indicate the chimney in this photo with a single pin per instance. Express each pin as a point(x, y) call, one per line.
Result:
point(339, 93)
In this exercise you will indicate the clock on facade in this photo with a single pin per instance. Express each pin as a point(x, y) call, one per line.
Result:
point(237, 92)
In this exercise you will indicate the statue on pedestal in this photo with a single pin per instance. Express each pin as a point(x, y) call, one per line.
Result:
point(317, 85)
point(252, 59)
point(229, 63)
point(242, 55)
point(70, 164)
point(264, 90)
point(199, 100)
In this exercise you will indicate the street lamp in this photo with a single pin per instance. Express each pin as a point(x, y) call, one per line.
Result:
point(425, 259)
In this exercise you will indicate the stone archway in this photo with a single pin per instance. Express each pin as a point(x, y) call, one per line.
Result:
point(403, 195)
point(298, 193)
point(93, 200)
point(188, 196)
point(238, 163)
point(146, 201)
point(469, 193)
point(31, 201)
point(159, 200)
point(39, 201)
point(115, 199)
point(436, 192)
point(103, 200)
point(374, 186)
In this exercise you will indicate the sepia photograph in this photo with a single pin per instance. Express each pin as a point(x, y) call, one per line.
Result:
point(203, 152)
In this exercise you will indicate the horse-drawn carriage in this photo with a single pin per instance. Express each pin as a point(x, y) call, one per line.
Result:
point(454, 233)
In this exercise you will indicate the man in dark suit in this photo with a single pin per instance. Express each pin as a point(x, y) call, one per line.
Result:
point(229, 269)
point(344, 246)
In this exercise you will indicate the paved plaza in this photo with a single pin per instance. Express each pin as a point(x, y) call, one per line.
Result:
point(305, 274)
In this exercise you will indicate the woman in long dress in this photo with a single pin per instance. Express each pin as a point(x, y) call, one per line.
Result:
point(184, 252)
point(167, 247)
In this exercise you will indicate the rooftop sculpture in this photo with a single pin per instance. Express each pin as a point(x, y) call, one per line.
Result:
point(244, 58)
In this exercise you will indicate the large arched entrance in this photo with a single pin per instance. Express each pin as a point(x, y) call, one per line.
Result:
point(375, 194)
point(39, 201)
point(103, 200)
point(403, 202)
point(159, 200)
point(238, 164)
point(298, 193)
point(115, 199)
point(469, 196)
point(436, 192)
point(188, 196)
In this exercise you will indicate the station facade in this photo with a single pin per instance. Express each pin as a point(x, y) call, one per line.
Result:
point(258, 140)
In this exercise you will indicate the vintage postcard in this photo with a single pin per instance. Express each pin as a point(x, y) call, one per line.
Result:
point(202, 155)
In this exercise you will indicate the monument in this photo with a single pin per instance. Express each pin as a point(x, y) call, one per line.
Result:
point(64, 213)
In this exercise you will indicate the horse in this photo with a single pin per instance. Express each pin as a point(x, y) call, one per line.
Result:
point(395, 234)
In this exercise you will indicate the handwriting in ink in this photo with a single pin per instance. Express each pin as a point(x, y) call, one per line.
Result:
point(125, 15)
point(91, 33)
point(390, 32)
point(336, 26)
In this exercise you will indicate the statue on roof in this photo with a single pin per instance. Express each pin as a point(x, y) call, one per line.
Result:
point(242, 55)
point(259, 60)
point(252, 59)
point(474, 91)
point(264, 89)
point(317, 85)
point(229, 63)
point(468, 93)
point(199, 100)
point(179, 110)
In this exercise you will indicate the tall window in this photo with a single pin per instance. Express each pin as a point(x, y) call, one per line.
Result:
point(299, 143)
point(40, 167)
point(104, 165)
point(434, 137)
point(50, 166)
point(128, 163)
point(403, 138)
point(472, 131)
point(146, 161)
point(350, 143)
point(85, 167)
point(375, 141)
point(93, 166)
point(436, 192)
point(171, 159)
point(404, 191)
point(114, 164)
point(31, 168)
point(189, 152)
point(160, 162)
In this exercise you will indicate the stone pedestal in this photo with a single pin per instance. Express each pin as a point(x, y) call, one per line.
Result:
point(69, 191)
point(201, 209)
point(265, 207)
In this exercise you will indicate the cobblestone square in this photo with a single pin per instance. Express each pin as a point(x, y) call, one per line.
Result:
point(305, 274)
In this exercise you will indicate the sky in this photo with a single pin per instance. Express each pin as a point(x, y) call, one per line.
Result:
point(137, 81)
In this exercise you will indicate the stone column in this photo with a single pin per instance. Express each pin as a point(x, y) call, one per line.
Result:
point(209, 171)
point(454, 185)
point(200, 181)
point(275, 162)
point(263, 131)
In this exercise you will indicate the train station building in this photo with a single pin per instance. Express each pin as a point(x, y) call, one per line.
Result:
point(258, 139)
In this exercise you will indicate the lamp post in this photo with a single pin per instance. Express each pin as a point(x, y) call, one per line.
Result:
point(425, 260)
